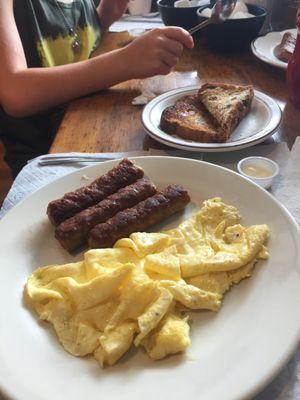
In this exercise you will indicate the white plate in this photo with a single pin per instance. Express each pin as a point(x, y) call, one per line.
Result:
point(264, 47)
point(261, 122)
point(233, 353)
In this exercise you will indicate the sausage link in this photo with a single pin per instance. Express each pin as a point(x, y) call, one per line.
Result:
point(72, 203)
point(73, 232)
point(140, 217)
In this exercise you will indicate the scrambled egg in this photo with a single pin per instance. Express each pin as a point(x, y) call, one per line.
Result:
point(135, 292)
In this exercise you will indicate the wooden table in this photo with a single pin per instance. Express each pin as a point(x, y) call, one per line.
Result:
point(108, 122)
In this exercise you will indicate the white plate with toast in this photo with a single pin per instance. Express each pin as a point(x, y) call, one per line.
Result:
point(261, 122)
point(264, 47)
point(233, 354)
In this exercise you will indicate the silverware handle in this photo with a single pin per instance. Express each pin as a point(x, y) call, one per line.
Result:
point(72, 156)
point(66, 161)
point(199, 26)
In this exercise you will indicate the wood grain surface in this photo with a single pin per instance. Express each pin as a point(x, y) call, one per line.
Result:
point(108, 122)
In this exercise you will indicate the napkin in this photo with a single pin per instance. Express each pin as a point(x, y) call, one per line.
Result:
point(143, 98)
point(287, 189)
point(127, 23)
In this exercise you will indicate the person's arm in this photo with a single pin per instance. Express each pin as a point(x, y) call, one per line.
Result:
point(25, 91)
point(110, 11)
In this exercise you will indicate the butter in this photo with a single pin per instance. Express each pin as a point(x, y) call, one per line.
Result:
point(186, 3)
point(240, 12)
point(182, 3)
point(257, 171)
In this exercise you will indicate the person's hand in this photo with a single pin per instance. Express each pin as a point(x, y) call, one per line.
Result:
point(156, 52)
point(110, 11)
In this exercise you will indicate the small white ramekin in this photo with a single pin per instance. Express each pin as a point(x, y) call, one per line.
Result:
point(265, 182)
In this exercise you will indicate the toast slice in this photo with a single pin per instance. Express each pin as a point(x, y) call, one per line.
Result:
point(188, 119)
point(227, 104)
point(286, 48)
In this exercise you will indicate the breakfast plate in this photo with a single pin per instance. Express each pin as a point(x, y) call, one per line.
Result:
point(233, 354)
point(261, 122)
point(264, 47)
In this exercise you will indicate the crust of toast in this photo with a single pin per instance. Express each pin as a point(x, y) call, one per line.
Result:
point(229, 110)
point(189, 119)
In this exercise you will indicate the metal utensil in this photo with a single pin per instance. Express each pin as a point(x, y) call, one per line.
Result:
point(64, 159)
point(72, 160)
point(220, 12)
point(77, 156)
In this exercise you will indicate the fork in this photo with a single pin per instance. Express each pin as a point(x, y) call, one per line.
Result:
point(65, 159)
point(72, 159)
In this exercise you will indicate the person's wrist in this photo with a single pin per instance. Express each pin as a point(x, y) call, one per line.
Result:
point(125, 60)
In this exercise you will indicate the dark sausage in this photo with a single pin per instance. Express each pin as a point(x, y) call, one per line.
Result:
point(72, 203)
point(73, 232)
point(140, 217)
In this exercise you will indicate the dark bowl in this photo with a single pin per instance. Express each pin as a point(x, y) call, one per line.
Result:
point(176, 16)
point(234, 34)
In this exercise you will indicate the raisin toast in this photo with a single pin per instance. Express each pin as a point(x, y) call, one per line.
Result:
point(189, 119)
point(286, 47)
point(227, 104)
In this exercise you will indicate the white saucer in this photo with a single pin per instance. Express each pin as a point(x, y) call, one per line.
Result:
point(264, 48)
point(261, 122)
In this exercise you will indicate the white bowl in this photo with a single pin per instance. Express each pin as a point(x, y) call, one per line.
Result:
point(139, 7)
point(260, 170)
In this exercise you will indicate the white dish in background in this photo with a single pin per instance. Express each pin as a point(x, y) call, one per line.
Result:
point(139, 7)
point(264, 47)
point(233, 354)
point(260, 123)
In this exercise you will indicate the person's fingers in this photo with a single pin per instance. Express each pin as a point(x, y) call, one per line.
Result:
point(172, 46)
point(169, 59)
point(179, 34)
